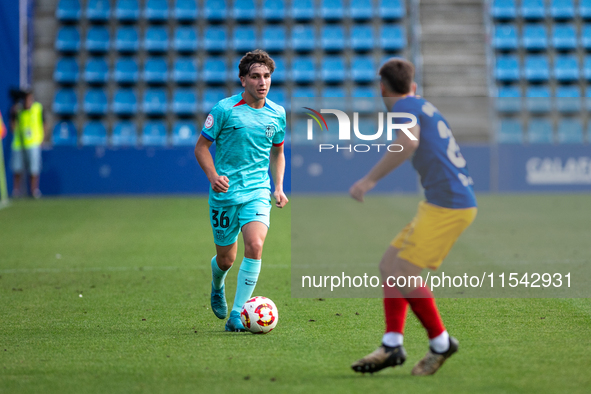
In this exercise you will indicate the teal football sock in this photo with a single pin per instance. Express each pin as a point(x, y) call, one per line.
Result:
point(217, 274)
point(247, 280)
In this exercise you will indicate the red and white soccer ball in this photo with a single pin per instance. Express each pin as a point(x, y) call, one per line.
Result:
point(259, 315)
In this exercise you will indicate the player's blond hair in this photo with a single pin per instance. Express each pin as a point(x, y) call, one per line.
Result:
point(258, 56)
point(397, 74)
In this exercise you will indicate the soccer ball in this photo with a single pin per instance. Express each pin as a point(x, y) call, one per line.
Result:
point(259, 315)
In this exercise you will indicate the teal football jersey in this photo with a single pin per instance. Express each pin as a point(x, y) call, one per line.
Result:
point(243, 138)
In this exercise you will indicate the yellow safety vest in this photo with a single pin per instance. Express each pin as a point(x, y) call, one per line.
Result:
point(29, 129)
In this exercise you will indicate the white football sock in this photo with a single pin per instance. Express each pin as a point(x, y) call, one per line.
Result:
point(392, 339)
point(440, 343)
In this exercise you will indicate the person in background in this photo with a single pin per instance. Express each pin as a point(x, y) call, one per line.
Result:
point(27, 124)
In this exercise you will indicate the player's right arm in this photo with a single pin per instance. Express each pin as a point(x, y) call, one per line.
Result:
point(219, 183)
point(389, 162)
point(211, 130)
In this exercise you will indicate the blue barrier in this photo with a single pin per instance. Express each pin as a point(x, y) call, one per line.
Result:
point(544, 168)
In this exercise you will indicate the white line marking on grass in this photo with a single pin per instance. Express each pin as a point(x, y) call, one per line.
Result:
point(109, 269)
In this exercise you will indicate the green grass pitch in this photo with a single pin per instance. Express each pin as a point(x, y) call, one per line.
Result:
point(112, 296)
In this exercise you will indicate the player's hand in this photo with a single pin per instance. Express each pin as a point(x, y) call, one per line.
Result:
point(280, 198)
point(220, 184)
point(359, 188)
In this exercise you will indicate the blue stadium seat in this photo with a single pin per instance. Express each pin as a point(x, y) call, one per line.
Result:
point(65, 134)
point(184, 102)
point(535, 37)
point(94, 133)
point(244, 38)
point(96, 71)
point(156, 39)
point(211, 96)
point(585, 9)
point(156, 10)
point(302, 10)
point(586, 37)
point(155, 102)
point(215, 10)
point(564, 37)
point(363, 92)
point(185, 10)
point(98, 40)
point(392, 38)
point(507, 68)
point(568, 99)
point(510, 131)
point(333, 69)
point(66, 71)
point(274, 10)
point(538, 99)
point(215, 39)
point(184, 133)
point(361, 10)
point(505, 38)
point(185, 39)
point(127, 10)
point(362, 38)
point(154, 133)
point(98, 10)
point(274, 39)
point(509, 100)
point(280, 74)
point(332, 10)
point(304, 91)
point(566, 68)
point(303, 38)
point(540, 131)
point(533, 9)
point(215, 71)
point(304, 69)
point(184, 71)
point(68, 11)
point(392, 9)
point(126, 71)
point(124, 102)
point(562, 9)
point(68, 39)
point(363, 69)
point(155, 71)
point(504, 9)
point(124, 134)
point(95, 102)
point(536, 68)
point(588, 103)
point(587, 67)
point(279, 96)
point(127, 39)
point(333, 38)
point(570, 131)
point(334, 91)
point(244, 11)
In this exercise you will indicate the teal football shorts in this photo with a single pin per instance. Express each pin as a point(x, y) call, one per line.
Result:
point(227, 222)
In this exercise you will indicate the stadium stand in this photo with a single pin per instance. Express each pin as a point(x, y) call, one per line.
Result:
point(550, 68)
point(154, 133)
point(124, 134)
point(139, 59)
point(64, 133)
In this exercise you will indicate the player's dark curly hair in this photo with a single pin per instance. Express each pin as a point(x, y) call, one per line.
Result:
point(397, 74)
point(255, 57)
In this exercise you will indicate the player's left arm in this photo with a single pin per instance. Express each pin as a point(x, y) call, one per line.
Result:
point(387, 164)
point(277, 164)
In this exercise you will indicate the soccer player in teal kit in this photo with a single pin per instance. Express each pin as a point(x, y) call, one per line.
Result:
point(249, 132)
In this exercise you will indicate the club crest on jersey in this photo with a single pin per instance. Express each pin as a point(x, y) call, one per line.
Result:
point(209, 121)
point(270, 131)
point(219, 235)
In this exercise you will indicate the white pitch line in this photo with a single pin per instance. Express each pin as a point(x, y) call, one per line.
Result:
point(107, 269)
